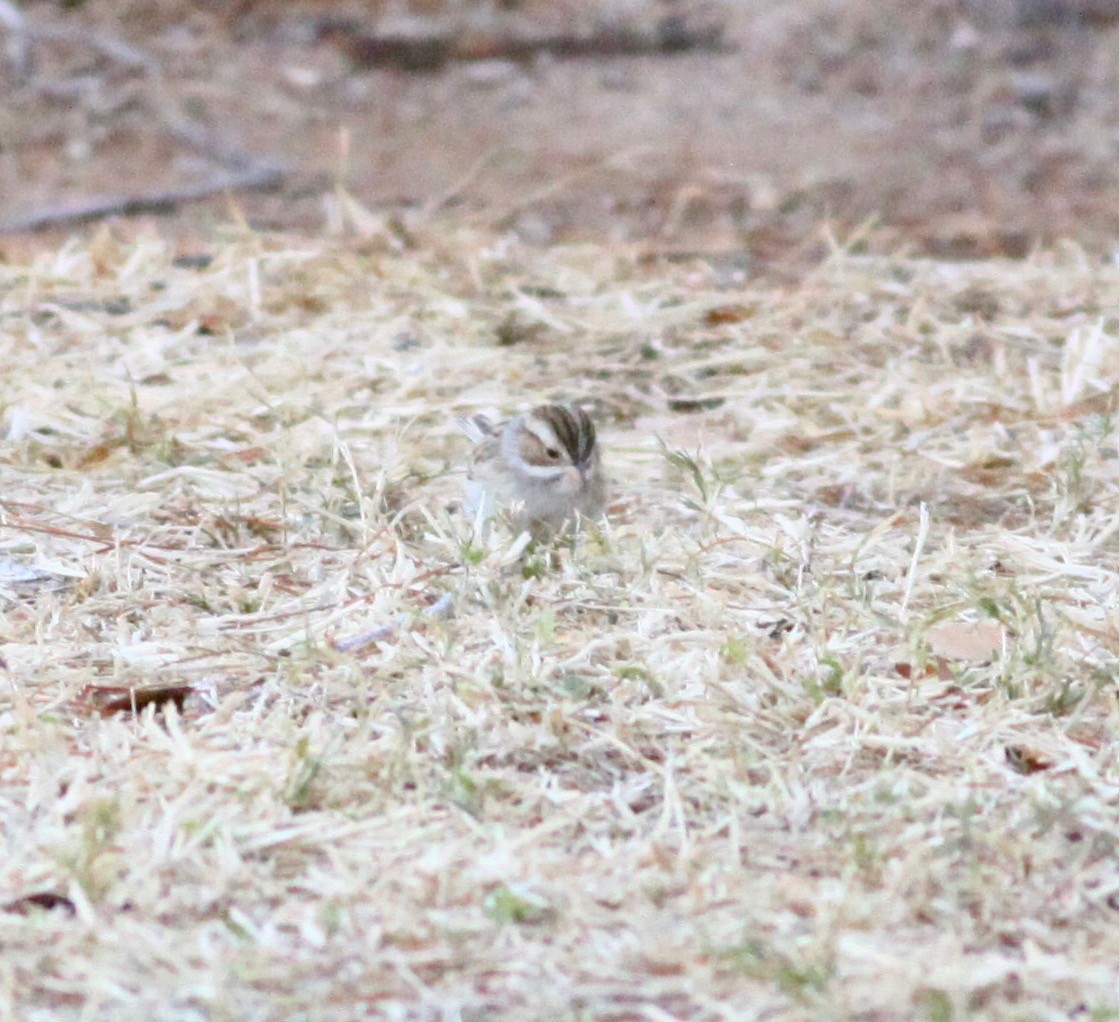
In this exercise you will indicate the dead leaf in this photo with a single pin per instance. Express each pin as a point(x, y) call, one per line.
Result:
point(1090, 735)
point(99, 452)
point(976, 643)
point(1026, 760)
point(43, 900)
point(793, 444)
point(264, 528)
point(797, 444)
point(248, 455)
point(727, 314)
point(994, 470)
point(952, 698)
point(212, 316)
point(835, 494)
point(934, 667)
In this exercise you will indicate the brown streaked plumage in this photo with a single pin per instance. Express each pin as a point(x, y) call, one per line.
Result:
point(543, 469)
point(573, 429)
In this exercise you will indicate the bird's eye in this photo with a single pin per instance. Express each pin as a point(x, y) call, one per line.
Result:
point(552, 453)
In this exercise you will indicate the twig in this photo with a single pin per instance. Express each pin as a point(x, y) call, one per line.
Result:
point(157, 201)
point(110, 699)
point(243, 170)
point(431, 52)
point(201, 141)
point(108, 46)
point(363, 639)
point(440, 609)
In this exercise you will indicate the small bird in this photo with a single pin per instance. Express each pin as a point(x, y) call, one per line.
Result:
point(542, 469)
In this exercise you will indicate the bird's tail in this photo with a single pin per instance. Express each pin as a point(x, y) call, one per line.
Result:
point(477, 428)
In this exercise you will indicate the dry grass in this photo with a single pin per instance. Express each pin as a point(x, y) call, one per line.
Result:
point(737, 756)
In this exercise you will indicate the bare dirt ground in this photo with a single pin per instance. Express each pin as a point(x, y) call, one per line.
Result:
point(960, 128)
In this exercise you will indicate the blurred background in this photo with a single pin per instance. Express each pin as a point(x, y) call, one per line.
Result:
point(959, 128)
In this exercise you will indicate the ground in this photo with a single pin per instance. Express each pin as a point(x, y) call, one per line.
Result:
point(819, 723)
point(958, 128)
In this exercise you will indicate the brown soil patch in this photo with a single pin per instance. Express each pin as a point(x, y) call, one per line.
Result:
point(961, 131)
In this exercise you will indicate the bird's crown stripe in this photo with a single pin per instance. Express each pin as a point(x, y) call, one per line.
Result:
point(572, 428)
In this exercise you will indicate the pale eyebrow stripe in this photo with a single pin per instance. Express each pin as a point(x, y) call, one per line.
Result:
point(541, 427)
point(556, 420)
point(573, 429)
